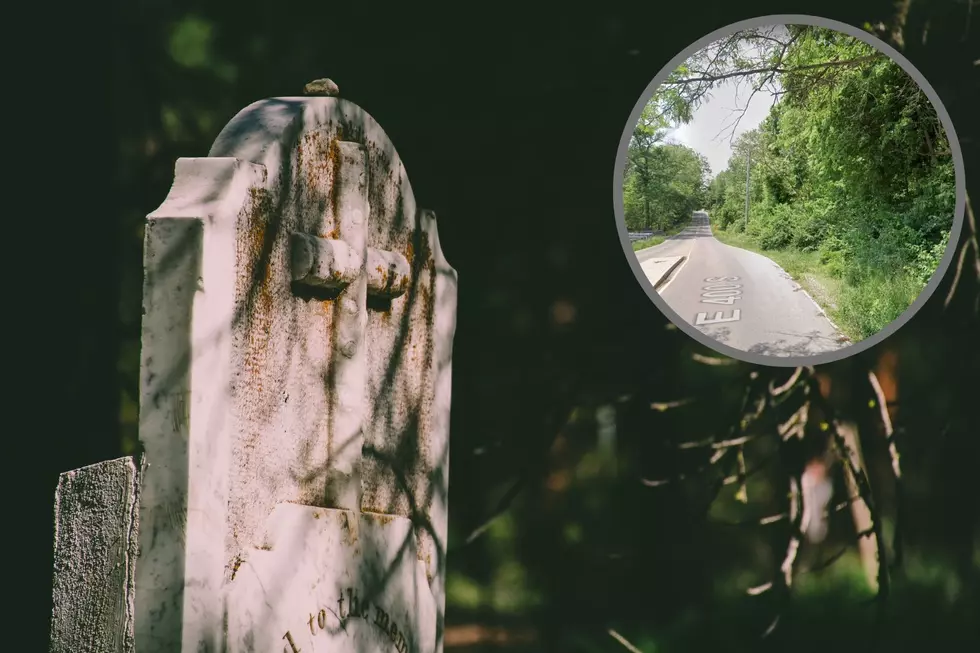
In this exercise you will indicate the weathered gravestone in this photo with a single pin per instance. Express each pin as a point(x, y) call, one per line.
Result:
point(296, 371)
point(95, 548)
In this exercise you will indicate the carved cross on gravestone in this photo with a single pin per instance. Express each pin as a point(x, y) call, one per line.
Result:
point(298, 320)
point(347, 266)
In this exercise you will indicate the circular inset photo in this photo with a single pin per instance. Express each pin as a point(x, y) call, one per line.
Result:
point(789, 190)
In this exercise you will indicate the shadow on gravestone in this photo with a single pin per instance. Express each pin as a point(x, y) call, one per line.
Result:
point(295, 391)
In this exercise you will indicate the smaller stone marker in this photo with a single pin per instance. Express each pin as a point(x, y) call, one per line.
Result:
point(95, 547)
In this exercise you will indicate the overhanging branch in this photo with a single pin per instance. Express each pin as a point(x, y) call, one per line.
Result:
point(776, 70)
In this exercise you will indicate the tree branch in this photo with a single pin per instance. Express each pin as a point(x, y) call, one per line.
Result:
point(776, 70)
point(971, 243)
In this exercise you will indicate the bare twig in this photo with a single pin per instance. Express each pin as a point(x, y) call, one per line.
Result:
point(502, 506)
point(711, 360)
point(530, 466)
point(761, 589)
point(825, 564)
point(677, 478)
point(758, 87)
point(796, 424)
point(971, 243)
point(622, 640)
point(743, 491)
point(744, 474)
point(864, 491)
point(896, 466)
point(663, 406)
point(784, 579)
point(779, 517)
point(716, 444)
point(775, 391)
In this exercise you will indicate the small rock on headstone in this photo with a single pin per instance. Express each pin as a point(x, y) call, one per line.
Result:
point(323, 86)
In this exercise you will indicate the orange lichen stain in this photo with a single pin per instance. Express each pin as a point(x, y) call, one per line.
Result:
point(425, 293)
point(312, 160)
point(254, 285)
point(235, 565)
point(426, 252)
point(383, 275)
point(333, 154)
point(382, 518)
point(349, 529)
point(320, 160)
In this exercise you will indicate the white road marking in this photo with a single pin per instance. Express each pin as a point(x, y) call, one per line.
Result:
point(702, 318)
point(721, 293)
point(727, 301)
point(720, 290)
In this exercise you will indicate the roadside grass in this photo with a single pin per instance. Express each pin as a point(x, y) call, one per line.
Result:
point(653, 241)
point(860, 303)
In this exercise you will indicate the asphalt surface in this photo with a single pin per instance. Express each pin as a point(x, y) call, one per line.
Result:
point(740, 298)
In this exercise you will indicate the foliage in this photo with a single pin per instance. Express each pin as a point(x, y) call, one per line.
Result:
point(664, 182)
point(852, 162)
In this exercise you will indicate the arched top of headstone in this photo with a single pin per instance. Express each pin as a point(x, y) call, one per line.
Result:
point(297, 139)
point(265, 132)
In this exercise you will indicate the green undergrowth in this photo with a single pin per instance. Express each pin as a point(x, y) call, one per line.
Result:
point(860, 298)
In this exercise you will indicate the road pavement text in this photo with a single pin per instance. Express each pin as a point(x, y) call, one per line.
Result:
point(720, 290)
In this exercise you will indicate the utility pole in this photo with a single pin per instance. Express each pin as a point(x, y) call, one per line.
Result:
point(748, 162)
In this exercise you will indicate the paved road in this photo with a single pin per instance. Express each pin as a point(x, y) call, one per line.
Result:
point(740, 298)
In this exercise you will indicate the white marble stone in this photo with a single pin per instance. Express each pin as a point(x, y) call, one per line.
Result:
point(332, 580)
point(265, 386)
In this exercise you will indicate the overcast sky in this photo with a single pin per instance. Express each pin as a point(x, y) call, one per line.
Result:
point(710, 133)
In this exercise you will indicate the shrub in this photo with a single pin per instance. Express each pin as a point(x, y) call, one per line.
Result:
point(926, 260)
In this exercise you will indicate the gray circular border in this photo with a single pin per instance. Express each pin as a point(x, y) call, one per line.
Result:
point(852, 349)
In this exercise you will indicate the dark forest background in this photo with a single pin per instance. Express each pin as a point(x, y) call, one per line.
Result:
point(508, 121)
